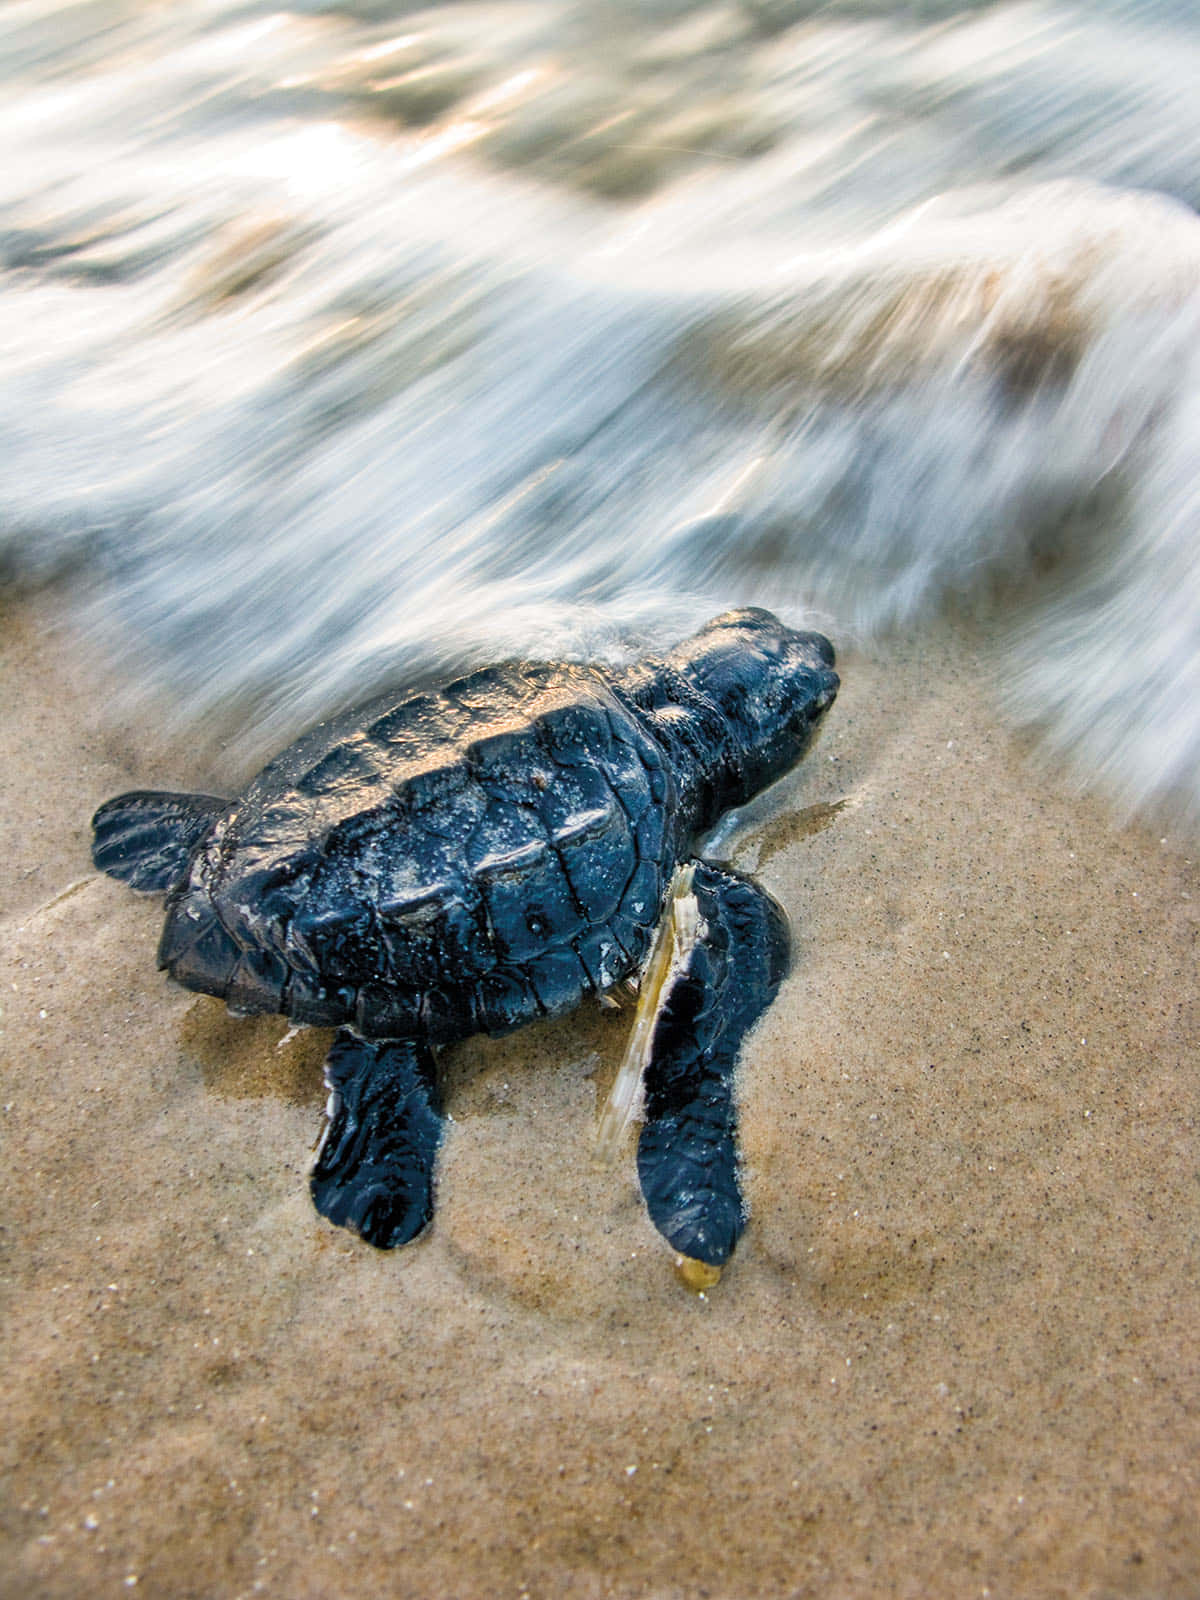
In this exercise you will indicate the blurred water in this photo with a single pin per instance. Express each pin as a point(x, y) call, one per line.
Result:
point(342, 342)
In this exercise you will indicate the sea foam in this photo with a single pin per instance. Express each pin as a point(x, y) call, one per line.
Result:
point(337, 350)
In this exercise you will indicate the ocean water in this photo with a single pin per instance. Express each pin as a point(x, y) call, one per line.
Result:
point(349, 341)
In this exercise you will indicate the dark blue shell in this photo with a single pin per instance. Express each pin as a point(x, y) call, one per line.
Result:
point(439, 865)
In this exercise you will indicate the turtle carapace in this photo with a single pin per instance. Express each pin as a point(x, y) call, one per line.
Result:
point(430, 866)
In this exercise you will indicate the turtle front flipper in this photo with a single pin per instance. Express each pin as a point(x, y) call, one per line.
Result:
point(374, 1169)
point(724, 973)
point(146, 839)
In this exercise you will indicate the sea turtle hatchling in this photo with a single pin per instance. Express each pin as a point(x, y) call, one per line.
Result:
point(430, 866)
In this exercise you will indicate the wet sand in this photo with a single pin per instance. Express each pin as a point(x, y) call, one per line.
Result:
point(954, 1355)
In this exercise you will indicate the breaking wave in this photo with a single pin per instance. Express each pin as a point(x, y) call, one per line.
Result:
point(347, 341)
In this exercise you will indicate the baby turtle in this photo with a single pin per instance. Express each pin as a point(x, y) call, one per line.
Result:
point(431, 866)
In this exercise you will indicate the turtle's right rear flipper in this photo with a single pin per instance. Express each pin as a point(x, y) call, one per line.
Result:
point(146, 839)
point(374, 1170)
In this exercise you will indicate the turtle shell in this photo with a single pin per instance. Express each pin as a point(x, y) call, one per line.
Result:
point(450, 862)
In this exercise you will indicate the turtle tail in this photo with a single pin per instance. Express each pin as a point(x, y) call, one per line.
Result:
point(146, 839)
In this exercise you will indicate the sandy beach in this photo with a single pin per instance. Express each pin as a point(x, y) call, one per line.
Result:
point(954, 1355)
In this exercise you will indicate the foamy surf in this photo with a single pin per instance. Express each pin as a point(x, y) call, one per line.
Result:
point(334, 351)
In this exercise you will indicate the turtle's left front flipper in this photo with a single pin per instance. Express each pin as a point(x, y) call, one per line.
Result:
point(374, 1169)
point(722, 978)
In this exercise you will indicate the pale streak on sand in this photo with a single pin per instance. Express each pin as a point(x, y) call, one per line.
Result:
point(954, 1354)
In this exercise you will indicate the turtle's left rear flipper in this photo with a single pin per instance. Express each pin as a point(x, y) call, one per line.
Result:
point(146, 838)
point(374, 1169)
point(720, 982)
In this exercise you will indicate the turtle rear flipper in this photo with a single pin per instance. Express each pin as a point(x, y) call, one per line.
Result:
point(374, 1168)
point(146, 839)
point(718, 986)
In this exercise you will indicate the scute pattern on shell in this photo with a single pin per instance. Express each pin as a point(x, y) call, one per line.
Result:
point(463, 860)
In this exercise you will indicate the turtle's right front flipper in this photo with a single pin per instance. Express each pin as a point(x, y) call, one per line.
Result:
point(374, 1169)
point(731, 949)
point(146, 839)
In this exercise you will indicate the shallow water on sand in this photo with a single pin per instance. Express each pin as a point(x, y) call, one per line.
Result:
point(954, 1349)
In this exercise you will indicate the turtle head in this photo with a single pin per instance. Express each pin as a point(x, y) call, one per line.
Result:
point(771, 684)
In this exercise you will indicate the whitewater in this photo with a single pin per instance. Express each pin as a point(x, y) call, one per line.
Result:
point(349, 342)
